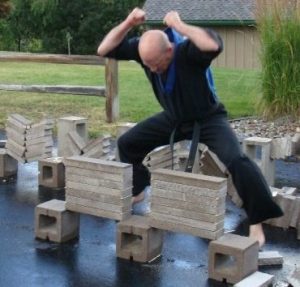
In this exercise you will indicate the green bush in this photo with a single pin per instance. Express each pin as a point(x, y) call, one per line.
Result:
point(279, 27)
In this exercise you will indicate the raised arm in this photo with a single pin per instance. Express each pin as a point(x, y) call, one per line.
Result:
point(197, 35)
point(118, 33)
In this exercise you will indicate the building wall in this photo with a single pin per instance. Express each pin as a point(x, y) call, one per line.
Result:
point(241, 48)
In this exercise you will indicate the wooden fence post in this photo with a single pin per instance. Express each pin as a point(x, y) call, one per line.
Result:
point(112, 97)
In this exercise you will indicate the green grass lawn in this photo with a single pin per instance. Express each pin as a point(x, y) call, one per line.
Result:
point(237, 89)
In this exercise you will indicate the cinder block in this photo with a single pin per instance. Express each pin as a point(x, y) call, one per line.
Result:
point(137, 240)
point(52, 172)
point(54, 222)
point(257, 279)
point(232, 258)
point(269, 258)
point(294, 278)
point(66, 125)
point(258, 149)
point(8, 165)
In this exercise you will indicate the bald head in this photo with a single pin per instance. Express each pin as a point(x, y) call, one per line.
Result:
point(155, 49)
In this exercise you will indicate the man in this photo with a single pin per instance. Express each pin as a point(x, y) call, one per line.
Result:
point(176, 63)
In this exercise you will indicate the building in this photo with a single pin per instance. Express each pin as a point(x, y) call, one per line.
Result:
point(233, 19)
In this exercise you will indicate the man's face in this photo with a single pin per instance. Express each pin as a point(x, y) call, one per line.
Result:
point(159, 63)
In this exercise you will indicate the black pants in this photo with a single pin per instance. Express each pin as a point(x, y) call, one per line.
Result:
point(217, 134)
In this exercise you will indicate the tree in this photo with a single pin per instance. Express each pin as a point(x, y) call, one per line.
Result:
point(5, 7)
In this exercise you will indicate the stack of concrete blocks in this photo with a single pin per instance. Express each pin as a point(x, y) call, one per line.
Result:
point(52, 172)
point(289, 201)
point(188, 203)
point(258, 149)
point(232, 258)
point(98, 187)
point(8, 165)
point(162, 157)
point(137, 240)
point(286, 146)
point(54, 222)
point(26, 141)
point(211, 165)
point(69, 128)
point(96, 148)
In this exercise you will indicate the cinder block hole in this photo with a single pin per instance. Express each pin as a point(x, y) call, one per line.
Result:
point(225, 264)
point(132, 242)
point(80, 129)
point(258, 151)
point(47, 222)
point(47, 173)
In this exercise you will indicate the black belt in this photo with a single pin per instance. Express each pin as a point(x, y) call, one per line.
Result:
point(193, 148)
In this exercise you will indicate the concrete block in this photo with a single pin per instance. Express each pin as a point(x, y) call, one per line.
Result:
point(296, 145)
point(182, 228)
point(8, 165)
point(295, 218)
point(269, 258)
point(15, 136)
point(232, 258)
point(137, 240)
point(294, 278)
point(76, 140)
point(109, 167)
point(97, 211)
point(22, 120)
point(2, 143)
point(54, 222)
point(15, 148)
point(66, 125)
point(189, 179)
point(259, 150)
point(52, 172)
point(257, 279)
point(15, 125)
point(16, 156)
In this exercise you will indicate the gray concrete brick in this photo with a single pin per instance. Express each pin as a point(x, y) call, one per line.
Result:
point(16, 156)
point(54, 222)
point(217, 208)
point(101, 197)
point(15, 148)
point(99, 165)
point(204, 181)
point(76, 140)
point(294, 278)
point(65, 125)
point(51, 172)
point(295, 218)
point(173, 226)
point(22, 120)
point(15, 136)
point(8, 165)
point(99, 180)
point(187, 213)
point(193, 190)
point(97, 211)
point(256, 279)
point(15, 125)
point(96, 204)
point(137, 240)
point(215, 226)
point(232, 257)
point(269, 258)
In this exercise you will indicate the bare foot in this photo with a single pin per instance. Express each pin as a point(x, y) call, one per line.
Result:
point(138, 197)
point(256, 232)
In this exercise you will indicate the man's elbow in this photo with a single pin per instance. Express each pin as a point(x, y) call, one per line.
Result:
point(101, 52)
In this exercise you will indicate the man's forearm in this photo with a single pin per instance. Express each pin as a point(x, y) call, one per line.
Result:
point(113, 38)
point(117, 34)
point(196, 34)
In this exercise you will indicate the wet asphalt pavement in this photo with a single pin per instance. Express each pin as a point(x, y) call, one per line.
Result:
point(90, 261)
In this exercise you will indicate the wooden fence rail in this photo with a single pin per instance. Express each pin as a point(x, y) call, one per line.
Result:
point(110, 91)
